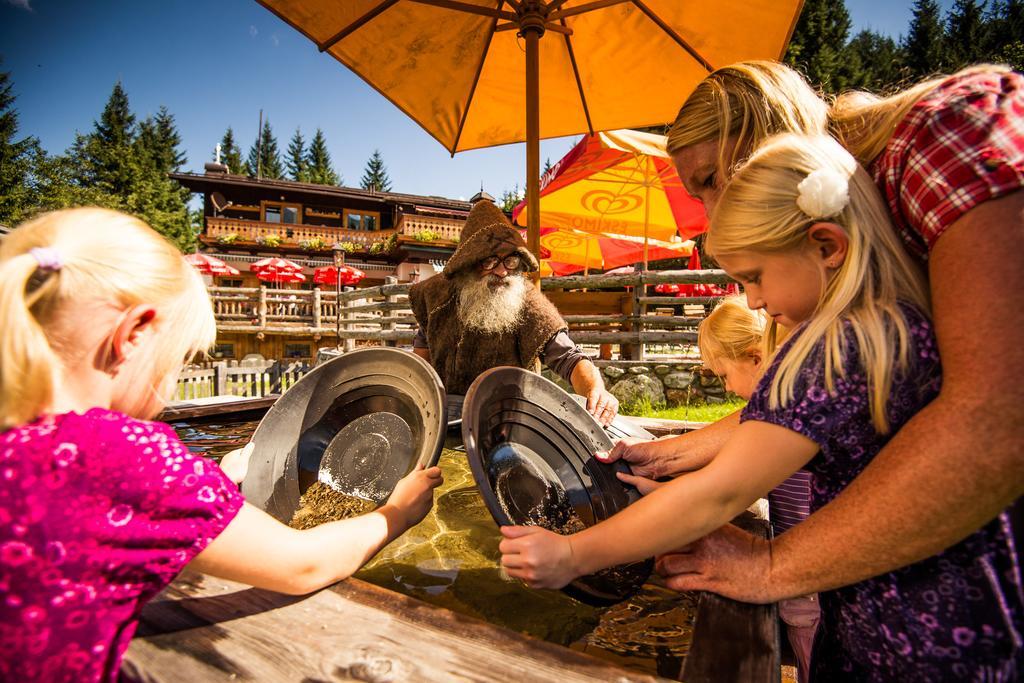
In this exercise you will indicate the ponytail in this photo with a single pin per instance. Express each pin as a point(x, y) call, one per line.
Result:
point(27, 363)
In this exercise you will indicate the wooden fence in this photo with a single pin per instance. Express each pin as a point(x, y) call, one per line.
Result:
point(251, 379)
point(600, 309)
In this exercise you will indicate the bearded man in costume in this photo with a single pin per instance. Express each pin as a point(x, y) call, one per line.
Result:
point(482, 312)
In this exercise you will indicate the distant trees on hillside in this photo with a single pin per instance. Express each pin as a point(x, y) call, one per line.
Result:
point(972, 31)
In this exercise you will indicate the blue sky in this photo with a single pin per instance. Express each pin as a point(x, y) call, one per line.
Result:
point(217, 63)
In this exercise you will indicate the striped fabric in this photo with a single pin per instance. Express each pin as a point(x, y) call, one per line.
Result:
point(790, 502)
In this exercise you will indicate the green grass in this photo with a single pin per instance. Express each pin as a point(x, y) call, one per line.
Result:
point(695, 412)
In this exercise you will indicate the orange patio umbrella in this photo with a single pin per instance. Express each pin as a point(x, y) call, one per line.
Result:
point(479, 73)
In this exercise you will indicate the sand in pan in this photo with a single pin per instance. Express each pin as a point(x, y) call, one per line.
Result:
point(321, 504)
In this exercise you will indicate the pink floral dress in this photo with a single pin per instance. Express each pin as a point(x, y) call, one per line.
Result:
point(98, 513)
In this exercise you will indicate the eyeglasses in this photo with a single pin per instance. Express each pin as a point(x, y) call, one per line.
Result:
point(511, 262)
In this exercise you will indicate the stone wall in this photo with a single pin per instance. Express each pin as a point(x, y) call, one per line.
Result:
point(660, 382)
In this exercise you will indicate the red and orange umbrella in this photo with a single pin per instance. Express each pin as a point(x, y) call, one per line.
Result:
point(619, 183)
point(210, 265)
point(586, 250)
point(330, 275)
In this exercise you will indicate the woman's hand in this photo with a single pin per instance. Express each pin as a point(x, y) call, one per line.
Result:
point(540, 558)
point(414, 494)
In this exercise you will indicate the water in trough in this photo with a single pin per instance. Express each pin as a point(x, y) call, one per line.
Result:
point(451, 559)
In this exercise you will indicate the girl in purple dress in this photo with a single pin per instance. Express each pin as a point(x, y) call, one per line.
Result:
point(100, 509)
point(804, 229)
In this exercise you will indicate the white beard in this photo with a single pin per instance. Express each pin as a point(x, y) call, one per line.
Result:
point(494, 310)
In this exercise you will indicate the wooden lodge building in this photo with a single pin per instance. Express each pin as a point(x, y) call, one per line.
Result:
point(383, 234)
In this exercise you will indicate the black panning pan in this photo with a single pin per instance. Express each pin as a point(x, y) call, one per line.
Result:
point(359, 423)
point(530, 446)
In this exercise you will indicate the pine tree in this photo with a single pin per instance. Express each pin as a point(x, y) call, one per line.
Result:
point(878, 61)
point(375, 176)
point(155, 197)
point(547, 166)
point(16, 160)
point(509, 199)
point(230, 154)
point(318, 162)
point(1006, 34)
point(816, 47)
point(967, 38)
point(104, 156)
point(264, 160)
point(159, 139)
point(298, 166)
point(926, 40)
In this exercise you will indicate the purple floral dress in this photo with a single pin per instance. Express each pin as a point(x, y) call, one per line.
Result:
point(957, 616)
point(98, 512)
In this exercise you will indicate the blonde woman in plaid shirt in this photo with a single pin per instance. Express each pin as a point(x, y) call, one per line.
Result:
point(948, 156)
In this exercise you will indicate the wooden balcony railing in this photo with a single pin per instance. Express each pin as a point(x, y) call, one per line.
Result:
point(449, 229)
point(250, 231)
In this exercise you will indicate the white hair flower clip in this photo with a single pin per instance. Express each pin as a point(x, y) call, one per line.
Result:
point(823, 193)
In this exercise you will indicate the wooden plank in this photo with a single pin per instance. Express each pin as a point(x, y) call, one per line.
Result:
point(594, 337)
point(207, 629)
point(744, 637)
point(659, 427)
point(191, 410)
point(587, 303)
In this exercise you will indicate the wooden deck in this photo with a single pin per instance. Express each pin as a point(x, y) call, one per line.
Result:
point(207, 629)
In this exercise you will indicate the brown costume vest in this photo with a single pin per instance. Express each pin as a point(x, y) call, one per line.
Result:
point(459, 354)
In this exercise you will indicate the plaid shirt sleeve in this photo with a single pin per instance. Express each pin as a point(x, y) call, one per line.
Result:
point(960, 146)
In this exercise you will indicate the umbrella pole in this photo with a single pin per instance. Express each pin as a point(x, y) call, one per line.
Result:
point(647, 209)
point(532, 37)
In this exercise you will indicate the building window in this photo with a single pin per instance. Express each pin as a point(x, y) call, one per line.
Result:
point(362, 220)
point(278, 212)
point(228, 282)
point(224, 350)
point(296, 351)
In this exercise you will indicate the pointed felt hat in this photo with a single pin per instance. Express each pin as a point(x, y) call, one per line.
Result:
point(487, 233)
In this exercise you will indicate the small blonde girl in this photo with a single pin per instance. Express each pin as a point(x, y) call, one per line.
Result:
point(734, 341)
point(803, 228)
point(100, 509)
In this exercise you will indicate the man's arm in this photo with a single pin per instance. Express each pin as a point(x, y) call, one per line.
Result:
point(952, 468)
point(567, 360)
point(586, 381)
point(420, 346)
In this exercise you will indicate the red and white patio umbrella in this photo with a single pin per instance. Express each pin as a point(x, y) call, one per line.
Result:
point(210, 265)
point(330, 275)
point(279, 276)
point(275, 264)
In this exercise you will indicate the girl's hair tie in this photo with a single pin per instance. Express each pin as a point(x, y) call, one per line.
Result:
point(823, 193)
point(48, 258)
